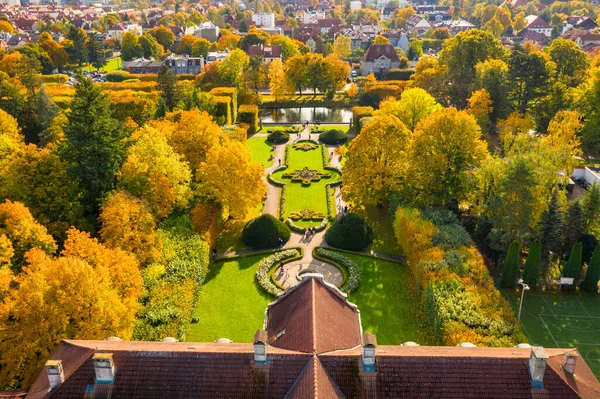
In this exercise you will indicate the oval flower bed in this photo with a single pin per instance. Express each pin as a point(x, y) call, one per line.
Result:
point(352, 272)
point(265, 266)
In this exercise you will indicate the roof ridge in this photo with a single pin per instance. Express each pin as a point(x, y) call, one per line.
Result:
point(313, 315)
point(315, 376)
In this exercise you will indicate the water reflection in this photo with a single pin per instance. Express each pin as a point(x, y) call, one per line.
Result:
point(303, 114)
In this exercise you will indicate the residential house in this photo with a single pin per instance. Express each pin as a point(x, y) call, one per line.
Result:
point(379, 58)
point(118, 30)
point(312, 40)
point(208, 31)
point(455, 25)
point(267, 53)
point(276, 30)
point(26, 24)
point(184, 64)
point(358, 40)
point(397, 38)
point(266, 20)
point(419, 24)
point(181, 31)
point(213, 56)
point(583, 38)
point(312, 345)
point(528, 35)
point(383, 3)
point(537, 24)
point(142, 66)
point(312, 17)
point(355, 5)
point(579, 22)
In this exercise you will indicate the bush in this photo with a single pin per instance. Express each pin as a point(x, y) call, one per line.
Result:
point(232, 93)
point(265, 266)
point(352, 270)
point(117, 76)
point(350, 231)
point(398, 74)
point(248, 114)
point(358, 113)
point(223, 111)
point(451, 236)
point(278, 137)
point(333, 136)
point(265, 231)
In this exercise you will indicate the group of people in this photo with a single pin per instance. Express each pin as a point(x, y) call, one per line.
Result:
point(309, 232)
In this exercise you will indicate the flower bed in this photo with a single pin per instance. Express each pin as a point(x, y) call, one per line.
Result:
point(300, 229)
point(353, 276)
point(282, 203)
point(265, 266)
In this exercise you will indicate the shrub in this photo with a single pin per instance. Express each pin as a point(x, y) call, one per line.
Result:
point(58, 78)
point(265, 231)
point(248, 114)
point(223, 110)
point(265, 266)
point(350, 231)
point(300, 230)
point(139, 109)
point(450, 236)
point(351, 268)
point(117, 76)
point(232, 93)
point(278, 137)
point(358, 113)
point(398, 74)
point(440, 217)
point(333, 136)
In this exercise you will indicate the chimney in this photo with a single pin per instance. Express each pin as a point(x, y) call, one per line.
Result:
point(55, 372)
point(104, 368)
point(369, 346)
point(260, 347)
point(537, 366)
point(570, 361)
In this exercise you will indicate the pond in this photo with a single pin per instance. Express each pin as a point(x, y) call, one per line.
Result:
point(303, 114)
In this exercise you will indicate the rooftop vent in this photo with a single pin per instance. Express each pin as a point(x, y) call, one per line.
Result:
point(104, 368)
point(369, 348)
point(537, 366)
point(55, 372)
point(526, 346)
point(113, 339)
point(570, 361)
point(260, 347)
point(467, 345)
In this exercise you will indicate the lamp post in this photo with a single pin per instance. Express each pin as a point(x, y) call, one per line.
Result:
point(525, 288)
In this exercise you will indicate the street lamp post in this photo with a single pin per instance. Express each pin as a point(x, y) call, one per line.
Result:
point(525, 288)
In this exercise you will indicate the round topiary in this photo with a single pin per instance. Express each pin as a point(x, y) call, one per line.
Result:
point(265, 232)
point(349, 231)
point(333, 136)
point(278, 136)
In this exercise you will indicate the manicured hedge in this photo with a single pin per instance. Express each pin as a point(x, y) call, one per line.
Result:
point(358, 113)
point(58, 78)
point(333, 136)
point(278, 137)
point(398, 74)
point(434, 44)
point(265, 231)
point(353, 275)
point(349, 231)
point(379, 91)
point(230, 92)
point(248, 114)
point(140, 109)
point(223, 111)
point(265, 266)
point(117, 76)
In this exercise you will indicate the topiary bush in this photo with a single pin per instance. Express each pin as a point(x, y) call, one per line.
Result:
point(351, 232)
point(278, 137)
point(265, 232)
point(333, 136)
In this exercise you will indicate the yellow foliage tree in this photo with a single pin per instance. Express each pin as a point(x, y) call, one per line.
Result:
point(376, 165)
point(515, 125)
point(381, 40)
point(342, 47)
point(205, 218)
point(24, 233)
point(278, 82)
point(128, 224)
point(445, 149)
point(11, 138)
point(413, 233)
point(480, 106)
point(231, 179)
point(414, 105)
point(352, 91)
point(56, 299)
point(154, 172)
point(563, 138)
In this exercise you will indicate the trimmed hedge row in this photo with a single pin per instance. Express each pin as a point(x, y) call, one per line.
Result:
point(299, 229)
point(223, 111)
point(248, 114)
point(353, 272)
point(398, 74)
point(265, 266)
point(358, 113)
point(232, 93)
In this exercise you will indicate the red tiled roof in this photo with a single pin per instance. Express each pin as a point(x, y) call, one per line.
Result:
point(259, 50)
point(314, 382)
point(377, 50)
point(313, 319)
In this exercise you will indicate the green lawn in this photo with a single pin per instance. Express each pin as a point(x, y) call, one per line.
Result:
point(343, 127)
point(388, 303)
point(562, 320)
point(231, 304)
point(272, 128)
point(299, 197)
point(111, 65)
point(383, 231)
point(260, 150)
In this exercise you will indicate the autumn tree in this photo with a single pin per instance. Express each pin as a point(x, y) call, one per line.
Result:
point(127, 223)
point(289, 46)
point(297, 73)
point(168, 87)
point(531, 270)
point(380, 39)
point(528, 71)
point(131, 47)
point(492, 75)
point(232, 68)
point(279, 84)
point(511, 266)
point(480, 106)
point(401, 15)
point(186, 44)
point(376, 165)
point(587, 98)
point(154, 172)
point(150, 47)
point(24, 233)
point(94, 148)
point(341, 47)
point(11, 138)
point(429, 75)
point(592, 276)
point(414, 105)
point(571, 62)
point(201, 47)
point(230, 178)
point(445, 148)
point(163, 36)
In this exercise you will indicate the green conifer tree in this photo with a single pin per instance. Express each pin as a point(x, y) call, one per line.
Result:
point(573, 266)
point(531, 272)
point(511, 266)
point(590, 284)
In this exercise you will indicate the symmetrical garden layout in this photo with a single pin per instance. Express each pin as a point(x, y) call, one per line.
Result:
point(304, 181)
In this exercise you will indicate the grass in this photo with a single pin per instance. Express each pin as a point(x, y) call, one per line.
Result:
point(231, 304)
point(260, 150)
point(383, 231)
point(301, 197)
point(230, 234)
point(278, 128)
point(562, 320)
point(112, 64)
point(324, 126)
point(388, 302)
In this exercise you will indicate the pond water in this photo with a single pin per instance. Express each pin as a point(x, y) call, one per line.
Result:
point(303, 114)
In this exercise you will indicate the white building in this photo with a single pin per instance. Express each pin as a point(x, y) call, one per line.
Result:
point(213, 56)
point(355, 5)
point(383, 3)
point(118, 30)
point(312, 17)
point(266, 20)
point(537, 24)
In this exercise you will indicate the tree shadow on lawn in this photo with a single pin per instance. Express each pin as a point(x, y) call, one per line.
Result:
point(214, 268)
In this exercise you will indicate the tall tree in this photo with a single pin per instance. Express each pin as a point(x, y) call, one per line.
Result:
point(414, 105)
point(168, 87)
point(511, 266)
point(96, 53)
point(94, 148)
point(163, 36)
point(574, 225)
point(552, 230)
point(131, 47)
point(279, 84)
point(531, 270)
point(341, 47)
point(78, 53)
point(529, 71)
point(592, 276)
point(591, 208)
point(571, 62)
point(150, 47)
point(573, 266)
